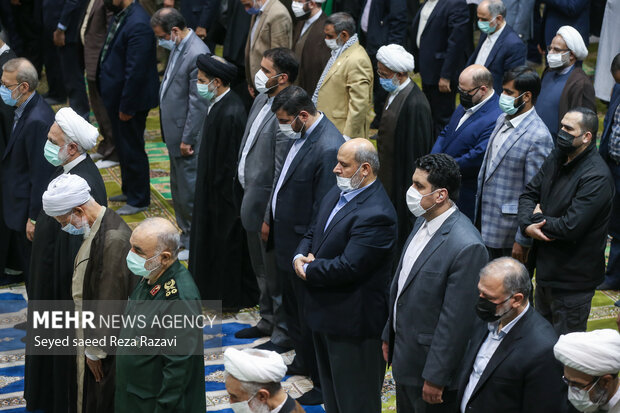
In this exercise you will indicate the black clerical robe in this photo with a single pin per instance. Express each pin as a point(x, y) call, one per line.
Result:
point(405, 134)
point(49, 382)
point(218, 259)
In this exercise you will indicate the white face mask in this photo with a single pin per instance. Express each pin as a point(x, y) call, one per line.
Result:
point(580, 398)
point(557, 60)
point(333, 43)
point(414, 199)
point(298, 8)
point(287, 129)
point(345, 184)
point(244, 407)
point(260, 81)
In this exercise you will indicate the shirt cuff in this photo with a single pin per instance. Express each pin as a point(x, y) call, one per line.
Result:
point(346, 138)
point(95, 353)
point(62, 27)
point(522, 239)
point(295, 259)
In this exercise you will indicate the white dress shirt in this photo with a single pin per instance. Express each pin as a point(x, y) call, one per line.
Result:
point(419, 241)
point(217, 99)
point(365, 16)
point(258, 16)
point(488, 348)
point(289, 159)
point(395, 93)
point(4, 48)
point(425, 13)
point(309, 22)
point(487, 46)
point(504, 132)
point(265, 110)
point(473, 109)
point(68, 167)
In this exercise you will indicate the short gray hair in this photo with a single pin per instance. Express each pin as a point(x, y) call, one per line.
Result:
point(482, 77)
point(515, 277)
point(166, 240)
point(342, 22)
point(26, 72)
point(167, 18)
point(370, 156)
point(69, 140)
point(496, 8)
point(251, 388)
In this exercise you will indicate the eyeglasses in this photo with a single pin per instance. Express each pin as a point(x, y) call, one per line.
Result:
point(467, 92)
point(7, 86)
point(579, 386)
point(556, 49)
point(383, 75)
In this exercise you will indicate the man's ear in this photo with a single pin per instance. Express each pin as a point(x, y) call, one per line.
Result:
point(263, 395)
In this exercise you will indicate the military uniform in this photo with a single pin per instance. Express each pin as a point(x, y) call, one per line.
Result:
point(161, 383)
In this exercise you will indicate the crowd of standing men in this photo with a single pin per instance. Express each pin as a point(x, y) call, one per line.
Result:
point(417, 252)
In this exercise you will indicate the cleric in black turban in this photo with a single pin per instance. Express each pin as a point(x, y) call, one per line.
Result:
point(215, 66)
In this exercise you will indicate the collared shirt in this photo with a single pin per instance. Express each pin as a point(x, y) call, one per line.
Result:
point(345, 198)
point(4, 48)
point(217, 99)
point(504, 132)
point(279, 407)
point(488, 348)
point(419, 241)
point(258, 16)
point(425, 13)
point(289, 159)
point(116, 23)
point(309, 22)
point(395, 93)
point(251, 138)
point(68, 167)
point(473, 109)
point(365, 16)
point(614, 138)
point(20, 110)
point(174, 56)
point(487, 46)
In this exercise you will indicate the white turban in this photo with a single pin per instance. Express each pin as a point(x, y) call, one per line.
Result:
point(396, 58)
point(76, 128)
point(65, 193)
point(574, 41)
point(595, 353)
point(258, 366)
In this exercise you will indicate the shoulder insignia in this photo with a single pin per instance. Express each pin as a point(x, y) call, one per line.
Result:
point(155, 290)
point(171, 288)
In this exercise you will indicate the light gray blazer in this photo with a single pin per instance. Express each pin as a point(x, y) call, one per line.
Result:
point(183, 111)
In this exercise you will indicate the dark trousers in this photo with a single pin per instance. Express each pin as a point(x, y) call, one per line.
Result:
point(28, 22)
point(107, 147)
point(72, 65)
point(612, 274)
point(567, 311)
point(352, 371)
point(132, 157)
point(22, 247)
point(293, 299)
point(53, 69)
point(409, 400)
point(442, 105)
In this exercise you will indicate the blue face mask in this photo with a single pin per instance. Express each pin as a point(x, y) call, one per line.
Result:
point(253, 10)
point(388, 84)
point(205, 92)
point(73, 230)
point(7, 97)
point(52, 153)
point(167, 44)
point(486, 27)
point(136, 264)
point(507, 104)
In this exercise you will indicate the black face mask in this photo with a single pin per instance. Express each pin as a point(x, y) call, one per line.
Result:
point(467, 100)
point(564, 142)
point(111, 7)
point(486, 310)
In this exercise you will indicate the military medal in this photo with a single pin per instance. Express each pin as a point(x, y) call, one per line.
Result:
point(155, 290)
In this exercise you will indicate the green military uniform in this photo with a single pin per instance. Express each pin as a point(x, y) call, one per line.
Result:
point(161, 383)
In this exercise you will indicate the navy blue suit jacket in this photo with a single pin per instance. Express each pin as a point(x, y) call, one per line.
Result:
point(25, 171)
point(467, 145)
point(558, 13)
point(614, 167)
point(508, 52)
point(309, 177)
point(128, 80)
point(69, 13)
point(348, 282)
point(444, 41)
point(200, 13)
point(387, 24)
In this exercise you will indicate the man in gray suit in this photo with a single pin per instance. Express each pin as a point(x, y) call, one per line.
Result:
point(261, 155)
point(182, 112)
point(433, 293)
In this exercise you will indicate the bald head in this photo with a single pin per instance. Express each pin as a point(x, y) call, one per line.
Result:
point(510, 274)
point(156, 236)
point(475, 85)
point(358, 160)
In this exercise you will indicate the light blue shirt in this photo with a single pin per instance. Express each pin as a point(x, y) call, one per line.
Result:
point(19, 111)
point(174, 56)
point(488, 348)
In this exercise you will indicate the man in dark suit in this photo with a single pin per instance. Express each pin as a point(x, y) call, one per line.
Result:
point(466, 137)
point(499, 48)
point(440, 31)
point(433, 292)
point(25, 172)
point(309, 45)
point(345, 259)
point(509, 365)
point(305, 178)
point(610, 151)
point(128, 84)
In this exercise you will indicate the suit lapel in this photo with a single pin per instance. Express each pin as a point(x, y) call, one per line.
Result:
point(509, 143)
point(338, 63)
point(20, 124)
point(416, 226)
point(496, 47)
point(430, 18)
point(303, 151)
point(261, 22)
point(183, 52)
point(254, 111)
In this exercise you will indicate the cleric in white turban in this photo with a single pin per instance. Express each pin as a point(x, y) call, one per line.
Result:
point(396, 58)
point(65, 193)
point(68, 139)
point(253, 381)
point(591, 364)
point(574, 41)
point(76, 128)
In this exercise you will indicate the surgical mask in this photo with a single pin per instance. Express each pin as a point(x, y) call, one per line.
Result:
point(137, 264)
point(205, 92)
point(333, 43)
point(345, 183)
point(414, 199)
point(73, 230)
point(388, 84)
point(253, 10)
point(564, 142)
point(485, 27)
point(287, 129)
point(7, 97)
point(52, 153)
point(486, 310)
point(580, 398)
point(467, 100)
point(260, 81)
point(167, 44)
point(298, 9)
point(557, 60)
point(507, 104)
point(242, 407)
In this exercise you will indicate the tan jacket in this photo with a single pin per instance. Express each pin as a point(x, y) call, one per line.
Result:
point(346, 94)
point(275, 29)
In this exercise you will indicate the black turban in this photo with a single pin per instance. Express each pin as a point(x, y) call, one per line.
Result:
point(215, 66)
